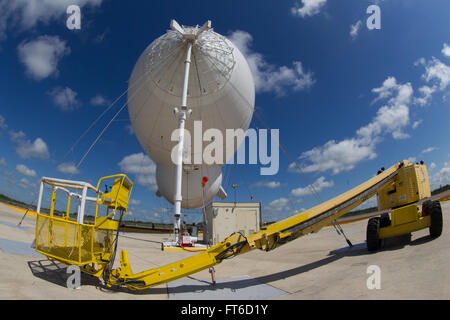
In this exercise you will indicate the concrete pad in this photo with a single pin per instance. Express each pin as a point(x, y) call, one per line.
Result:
point(235, 288)
point(316, 266)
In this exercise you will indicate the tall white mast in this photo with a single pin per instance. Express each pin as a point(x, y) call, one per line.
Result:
point(182, 114)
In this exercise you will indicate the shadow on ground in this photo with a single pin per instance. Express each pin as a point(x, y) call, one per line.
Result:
point(57, 272)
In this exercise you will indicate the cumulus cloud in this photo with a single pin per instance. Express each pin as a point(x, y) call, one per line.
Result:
point(36, 149)
point(317, 186)
point(23, 169)
point(427, 93)
point(41, 56)
point(142, 167)
point(68, 168)
point(278, 206)
point(416, 124)
point(267, 184)
point(446, 50)
point(432, 166)
point(3, 162)
point(441, 178)
point(268, 77)
point(308, 8)
point(393, 116)
point(99, 100)
point(354, 29)
point(411, 159)
point(438, 72)
point(135, 202)
point(335, 156)
point(24, 15)
point(27, 148)
point(64, 99)
point(282, 207)
point(17, 136)
point(25, 184)
point(339, 156)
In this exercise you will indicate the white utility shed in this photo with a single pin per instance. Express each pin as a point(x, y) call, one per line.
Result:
point(225, 218)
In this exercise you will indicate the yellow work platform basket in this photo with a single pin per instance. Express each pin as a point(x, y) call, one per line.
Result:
point(70, 239)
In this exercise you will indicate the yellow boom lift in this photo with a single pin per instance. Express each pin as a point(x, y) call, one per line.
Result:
point(399, 190)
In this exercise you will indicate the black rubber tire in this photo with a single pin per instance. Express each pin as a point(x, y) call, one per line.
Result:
point(385, 221)
point(426, 208)
point(436, 219)
point(372, 234)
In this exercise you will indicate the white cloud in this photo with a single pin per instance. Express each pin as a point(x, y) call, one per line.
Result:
point(354, 29)
point(64, 99)
point(41, 56)
point(3, 162)
point(335, 156)
point(393, 116)
point(386, 89)
point(267, 77)
point(25, 184)
point(68, 168)
point(22, 169)
point(24, 15)
point(412, 159)
point(16, 136)
point(142, 167)
point(317, 186)
point(268, 184)
point(427, 150)
point(135, 202)
point(437, 71)
point(99, 100)
point(27, 149)
point(277, 206)
point(427, 93)
point(343, 155)
point(309, 8)
point(441, 178)
point(416, 124)
point(446, 50)
point(37, 149)
point(432, 166)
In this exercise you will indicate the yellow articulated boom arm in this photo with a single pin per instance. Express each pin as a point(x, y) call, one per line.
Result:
point(274, 235)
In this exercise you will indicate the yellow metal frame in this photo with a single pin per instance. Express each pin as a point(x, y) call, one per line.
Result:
point(276, 234)
point(102, 227)
point(405, 220)
point(118, 197)
point(312, 220)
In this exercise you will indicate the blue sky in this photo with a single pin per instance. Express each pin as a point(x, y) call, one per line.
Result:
point(346, 103)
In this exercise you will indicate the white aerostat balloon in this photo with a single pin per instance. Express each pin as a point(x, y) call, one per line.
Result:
point(221, 94)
